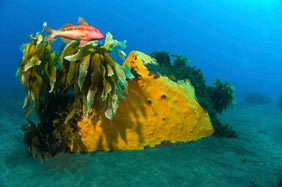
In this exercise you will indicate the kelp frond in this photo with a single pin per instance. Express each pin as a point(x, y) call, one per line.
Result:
point(99, 78)
point(110, 44)
point(36, 70)
point(78, 83)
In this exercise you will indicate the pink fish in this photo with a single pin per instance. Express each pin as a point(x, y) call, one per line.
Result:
point(83, 32)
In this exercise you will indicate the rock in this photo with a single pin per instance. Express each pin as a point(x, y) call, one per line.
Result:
point(257, 98)
point(156, 109)
point(279, 102)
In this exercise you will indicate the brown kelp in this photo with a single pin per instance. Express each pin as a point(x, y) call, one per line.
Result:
point(37, 71)
point(79, 82)
point(97, 78)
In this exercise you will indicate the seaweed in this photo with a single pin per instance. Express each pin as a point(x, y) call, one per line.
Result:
point(162, 57)
point(214, 99)
point(222, 95)
point(37, 71)
point(63, 88)
point(222, 130)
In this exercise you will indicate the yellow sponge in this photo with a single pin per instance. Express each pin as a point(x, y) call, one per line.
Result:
point(156, 109)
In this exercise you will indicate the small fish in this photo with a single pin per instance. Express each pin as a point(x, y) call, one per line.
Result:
point(83, 32)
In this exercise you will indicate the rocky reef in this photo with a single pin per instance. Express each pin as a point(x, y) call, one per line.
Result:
point(85, 101)
point(279, 102)
point(258, 99)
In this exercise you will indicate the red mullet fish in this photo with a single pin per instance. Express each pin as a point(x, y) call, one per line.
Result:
point(83, 32)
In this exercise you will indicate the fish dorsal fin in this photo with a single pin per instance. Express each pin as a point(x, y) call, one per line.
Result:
point(65, 26)
point(82, 21)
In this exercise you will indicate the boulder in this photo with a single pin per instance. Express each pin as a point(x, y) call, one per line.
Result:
point(257, 98)
point(156, 109)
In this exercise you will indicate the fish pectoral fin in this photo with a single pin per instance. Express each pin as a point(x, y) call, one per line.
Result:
point(82, 21)
point(82, 42)
point(66, 40)
point(83, 35)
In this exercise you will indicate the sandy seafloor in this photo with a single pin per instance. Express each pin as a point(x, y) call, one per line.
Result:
point(210, 161)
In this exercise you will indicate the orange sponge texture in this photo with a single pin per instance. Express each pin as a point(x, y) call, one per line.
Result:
point(156, 109)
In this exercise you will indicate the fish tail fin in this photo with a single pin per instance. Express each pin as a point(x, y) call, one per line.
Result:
point(52, 32)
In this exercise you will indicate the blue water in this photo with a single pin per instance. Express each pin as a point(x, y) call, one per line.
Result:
point(237, 40)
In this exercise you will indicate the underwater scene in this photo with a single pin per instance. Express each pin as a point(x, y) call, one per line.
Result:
point(141, 93)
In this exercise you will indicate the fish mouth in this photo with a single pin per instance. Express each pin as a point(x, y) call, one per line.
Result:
point(98, 38)
point(101, 36)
